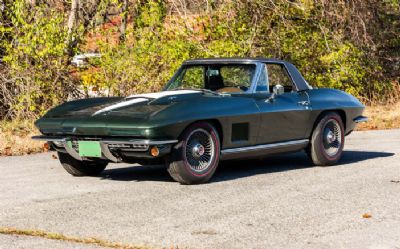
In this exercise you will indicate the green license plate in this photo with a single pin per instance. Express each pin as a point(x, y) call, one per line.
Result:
point(89, 148)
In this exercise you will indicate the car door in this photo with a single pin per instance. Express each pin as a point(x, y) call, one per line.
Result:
point(283, 117)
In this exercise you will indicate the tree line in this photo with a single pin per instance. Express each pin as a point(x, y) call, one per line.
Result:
point(353, 45)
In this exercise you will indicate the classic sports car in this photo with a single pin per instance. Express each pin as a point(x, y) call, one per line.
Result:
point(211, 110)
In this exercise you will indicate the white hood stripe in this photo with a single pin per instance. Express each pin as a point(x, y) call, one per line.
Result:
point(139, 98)
point(121, 104)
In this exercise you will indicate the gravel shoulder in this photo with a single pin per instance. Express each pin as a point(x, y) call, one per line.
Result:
point(278, 202)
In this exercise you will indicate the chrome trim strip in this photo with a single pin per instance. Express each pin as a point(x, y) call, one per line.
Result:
point(110, 141)
point(360, 119)
point(49, 138)
point(264, 146)
point(140, 141)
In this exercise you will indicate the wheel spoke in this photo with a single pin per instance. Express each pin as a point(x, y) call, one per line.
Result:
point(199, 150)
point(332, 137)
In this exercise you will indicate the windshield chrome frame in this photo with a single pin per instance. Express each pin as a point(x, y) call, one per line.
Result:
point(253, 83)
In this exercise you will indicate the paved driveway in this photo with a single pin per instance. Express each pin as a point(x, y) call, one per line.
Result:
point(278, 202)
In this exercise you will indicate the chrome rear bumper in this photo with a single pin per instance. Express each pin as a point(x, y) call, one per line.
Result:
point(360, 119)
point(137, 145)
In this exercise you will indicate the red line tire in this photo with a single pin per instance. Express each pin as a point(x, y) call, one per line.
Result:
point(195, 158)
point(327, 140)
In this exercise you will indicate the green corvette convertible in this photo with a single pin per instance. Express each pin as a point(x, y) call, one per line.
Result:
point(210, 110)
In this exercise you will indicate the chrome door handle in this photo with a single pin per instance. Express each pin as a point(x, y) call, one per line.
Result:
point(305, 103)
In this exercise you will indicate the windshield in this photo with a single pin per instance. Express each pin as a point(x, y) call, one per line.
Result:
point(215, 77)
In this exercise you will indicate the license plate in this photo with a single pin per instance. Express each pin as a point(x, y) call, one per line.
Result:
point(89, 148)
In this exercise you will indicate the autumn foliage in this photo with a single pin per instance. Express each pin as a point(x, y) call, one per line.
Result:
point(352, 45)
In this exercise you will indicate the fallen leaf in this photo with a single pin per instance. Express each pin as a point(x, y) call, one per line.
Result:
point(366, 216)
point(8, 151)
point(46, 147)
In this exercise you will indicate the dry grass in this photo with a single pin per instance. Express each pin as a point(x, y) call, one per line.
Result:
point(15, 136)
point(61, 237)
point(381, 117)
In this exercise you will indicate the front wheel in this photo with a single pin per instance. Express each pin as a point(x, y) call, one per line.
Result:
point(195, 158)
point(327, 140)
point(81, 168)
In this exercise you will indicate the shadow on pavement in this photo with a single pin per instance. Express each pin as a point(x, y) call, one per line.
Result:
point(279, 163)
point(229, 170)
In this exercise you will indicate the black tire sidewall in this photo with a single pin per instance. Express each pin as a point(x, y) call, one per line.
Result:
point(318, 153)
point(321, 137)
point(80, 168)
point(180, 170)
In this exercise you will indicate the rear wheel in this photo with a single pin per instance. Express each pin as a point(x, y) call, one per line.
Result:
point(195, 158)
point(81, 168)
point(327, 140)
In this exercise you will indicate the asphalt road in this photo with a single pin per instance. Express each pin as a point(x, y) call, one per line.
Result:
point(279, 202)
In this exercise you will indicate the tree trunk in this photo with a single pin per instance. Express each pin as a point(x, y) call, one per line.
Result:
point(73, 16)
point(124, 18)
point(72, 19)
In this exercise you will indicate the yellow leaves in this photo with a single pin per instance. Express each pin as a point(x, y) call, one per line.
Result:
point(339, 54)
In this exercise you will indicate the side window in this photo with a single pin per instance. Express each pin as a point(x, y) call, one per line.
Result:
point(262, 83)
point(277, 74)
point(193, 77)
point(237, 76)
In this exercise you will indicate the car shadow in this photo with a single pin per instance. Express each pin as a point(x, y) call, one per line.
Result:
point(138, 173)
point(230, 170)
point(279, 163)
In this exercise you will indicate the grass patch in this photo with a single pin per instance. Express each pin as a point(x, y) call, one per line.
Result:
point(61, 237)
point(381, 117)
point(15, 138)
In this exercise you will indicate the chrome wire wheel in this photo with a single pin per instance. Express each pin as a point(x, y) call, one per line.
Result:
point(332, 138)
point(199, 150)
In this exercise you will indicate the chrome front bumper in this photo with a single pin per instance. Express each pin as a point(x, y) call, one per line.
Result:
point(133, 145)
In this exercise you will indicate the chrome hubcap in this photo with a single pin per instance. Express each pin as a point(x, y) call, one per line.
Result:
point(332, 138)
point(199, 150)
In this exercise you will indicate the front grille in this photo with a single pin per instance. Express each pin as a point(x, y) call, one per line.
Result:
point(112, 146)
point(129, 147)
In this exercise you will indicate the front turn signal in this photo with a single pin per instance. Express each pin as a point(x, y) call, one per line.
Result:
point(154, 151)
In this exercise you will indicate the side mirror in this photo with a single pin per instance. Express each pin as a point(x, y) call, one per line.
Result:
point(278, 90)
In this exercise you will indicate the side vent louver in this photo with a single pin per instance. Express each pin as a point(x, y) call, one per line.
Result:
point(240, 132)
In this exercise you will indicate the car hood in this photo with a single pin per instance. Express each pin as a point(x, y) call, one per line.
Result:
point(91, 116)
point(139, 105)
